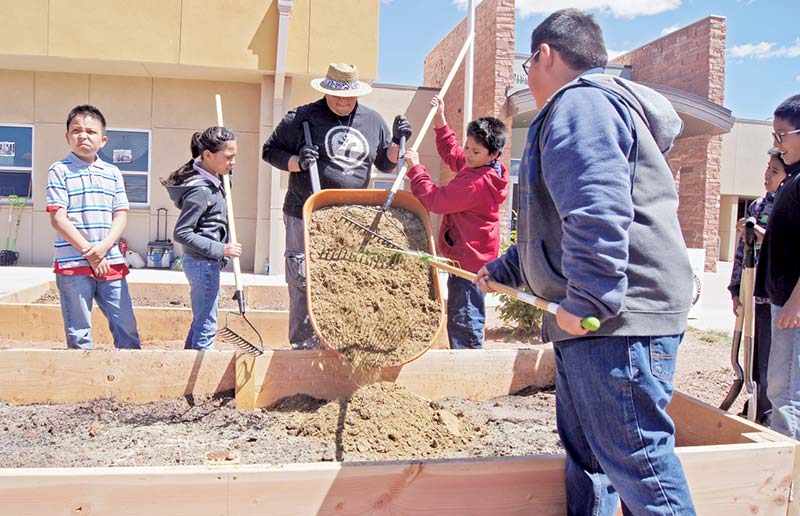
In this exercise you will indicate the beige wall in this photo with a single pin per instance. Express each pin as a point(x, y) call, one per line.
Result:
point(239, 34)
point(744, 158)
point(170, 109)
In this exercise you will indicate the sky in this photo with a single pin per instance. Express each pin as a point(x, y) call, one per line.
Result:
point(763, 39)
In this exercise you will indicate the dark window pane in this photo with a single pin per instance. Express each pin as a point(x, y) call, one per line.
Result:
point(16, 146)
point(127, 150)
point(14, 183)
point(135, 187)
point(515, 167)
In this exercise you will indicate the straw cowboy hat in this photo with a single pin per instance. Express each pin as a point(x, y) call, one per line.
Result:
point(341, 81)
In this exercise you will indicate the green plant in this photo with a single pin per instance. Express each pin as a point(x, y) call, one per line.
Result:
point(526, 318)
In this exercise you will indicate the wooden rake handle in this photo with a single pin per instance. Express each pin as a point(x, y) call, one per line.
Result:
point(226, 181)
point(588, 323)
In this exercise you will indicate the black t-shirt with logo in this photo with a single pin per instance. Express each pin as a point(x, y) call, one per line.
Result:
point(778, 266)
point(348, 147)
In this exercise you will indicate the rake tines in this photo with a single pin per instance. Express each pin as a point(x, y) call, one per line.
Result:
point(370, 233)
point(234, 339)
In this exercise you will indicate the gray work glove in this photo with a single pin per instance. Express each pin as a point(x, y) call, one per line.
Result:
point(401, 127)
point(308, 154)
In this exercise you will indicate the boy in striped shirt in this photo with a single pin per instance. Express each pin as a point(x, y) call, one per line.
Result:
point(89, 210)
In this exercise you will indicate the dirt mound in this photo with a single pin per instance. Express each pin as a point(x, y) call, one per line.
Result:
point(381, 421)
point(375, 306)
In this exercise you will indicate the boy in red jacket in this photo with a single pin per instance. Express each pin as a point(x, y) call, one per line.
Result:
point(470, 203)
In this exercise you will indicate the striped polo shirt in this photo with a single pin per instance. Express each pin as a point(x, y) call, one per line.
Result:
point(91, 193)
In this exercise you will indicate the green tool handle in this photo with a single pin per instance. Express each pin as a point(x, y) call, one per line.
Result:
point(588, 323)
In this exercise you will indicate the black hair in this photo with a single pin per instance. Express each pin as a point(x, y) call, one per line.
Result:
point(775, 153)
point(86, 110)
point(212, 139)
point(577, 37)
point(194, 144)
point(789, 110)
point(489, 132)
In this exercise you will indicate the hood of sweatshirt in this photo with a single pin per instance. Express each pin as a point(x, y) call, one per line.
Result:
point(654, 108)
point(496, 179)
point(177, 192)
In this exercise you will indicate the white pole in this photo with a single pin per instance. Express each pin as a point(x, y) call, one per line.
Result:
point(468, 65)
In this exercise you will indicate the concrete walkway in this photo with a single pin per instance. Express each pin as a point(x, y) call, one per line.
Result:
point(713, 313)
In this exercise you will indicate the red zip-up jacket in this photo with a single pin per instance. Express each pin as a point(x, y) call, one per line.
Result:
point(470, 203)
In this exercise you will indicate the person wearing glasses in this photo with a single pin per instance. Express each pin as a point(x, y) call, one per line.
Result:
point(598, 232)
point(778, 276)
point(760, 209)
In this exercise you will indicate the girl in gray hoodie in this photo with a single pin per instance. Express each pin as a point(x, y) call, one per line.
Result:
point(202, 226)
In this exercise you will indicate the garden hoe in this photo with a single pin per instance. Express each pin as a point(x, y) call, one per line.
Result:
point(744, 326)
point(226, 333)
point(16, 205)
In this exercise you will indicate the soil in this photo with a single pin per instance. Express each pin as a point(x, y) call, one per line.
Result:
point(178, 300)
point(381, 421)
point(373, 304)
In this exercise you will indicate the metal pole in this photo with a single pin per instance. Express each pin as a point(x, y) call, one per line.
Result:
point(468, 65)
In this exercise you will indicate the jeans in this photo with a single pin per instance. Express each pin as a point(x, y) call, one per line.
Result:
point(301, 333)
point(784, 378)
point(203, 275)
point(611, 399)
point(77, 294)
point(466, 313)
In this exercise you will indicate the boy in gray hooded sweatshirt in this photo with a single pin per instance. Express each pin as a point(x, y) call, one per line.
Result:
point(598, 232)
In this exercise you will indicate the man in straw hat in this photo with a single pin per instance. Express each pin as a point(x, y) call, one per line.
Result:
point(347, 139)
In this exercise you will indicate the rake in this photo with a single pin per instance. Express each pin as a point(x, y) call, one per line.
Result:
point(588, 323)
point(226, 333)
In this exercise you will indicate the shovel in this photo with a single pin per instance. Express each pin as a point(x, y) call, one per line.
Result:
point(9, 255)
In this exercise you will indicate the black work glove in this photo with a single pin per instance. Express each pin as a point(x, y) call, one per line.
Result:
point(308, 154)
point(401, 127)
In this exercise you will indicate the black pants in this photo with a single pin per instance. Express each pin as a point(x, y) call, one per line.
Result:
point(762, 341)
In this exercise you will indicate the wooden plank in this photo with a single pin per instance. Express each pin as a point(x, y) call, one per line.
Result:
point(62, 376)
point(65, 376)
point(735, 480)
point(29, 294)
point(245, 382)
point(436, 374)
point(45, 323)
point(703, 424)
point(794, 502)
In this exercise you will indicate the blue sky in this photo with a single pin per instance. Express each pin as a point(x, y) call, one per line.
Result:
point(763, 39)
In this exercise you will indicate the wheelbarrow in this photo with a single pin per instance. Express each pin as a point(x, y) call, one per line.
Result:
point(367, 335)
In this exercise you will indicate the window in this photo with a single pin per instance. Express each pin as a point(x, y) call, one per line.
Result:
point(16, 160)
point(513, 192)
point(129, 150)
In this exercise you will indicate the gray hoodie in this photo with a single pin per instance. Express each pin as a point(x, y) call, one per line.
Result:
point(202, 226)
point(598, 229)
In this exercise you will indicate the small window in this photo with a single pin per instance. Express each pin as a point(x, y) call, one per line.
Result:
point(16, 160)
point(129, 151)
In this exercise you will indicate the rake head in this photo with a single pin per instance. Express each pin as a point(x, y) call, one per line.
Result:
point(228, 335)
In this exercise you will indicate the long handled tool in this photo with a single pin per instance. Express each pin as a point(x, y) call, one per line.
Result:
point(16, 204)
point(588, 323)
point(312, 168)
point(226, 333)
point(744, 326)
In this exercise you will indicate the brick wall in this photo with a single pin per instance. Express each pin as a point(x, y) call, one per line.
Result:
point(691, 59)
point(493, 73)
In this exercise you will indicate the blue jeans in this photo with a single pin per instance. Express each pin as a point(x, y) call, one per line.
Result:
point(466, 313)
point(203, 276)
point(611, 396)
point(783, 386)
point(77, 295)
point(301, 332)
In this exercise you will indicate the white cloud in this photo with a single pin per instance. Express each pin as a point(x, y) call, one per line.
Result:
point(765, 50)
point(617, 8)
point(671, 28)
point(612, 54)
point(797, 78)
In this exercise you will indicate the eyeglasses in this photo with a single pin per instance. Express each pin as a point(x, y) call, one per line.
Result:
point(779, 136)
point(526, 66)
